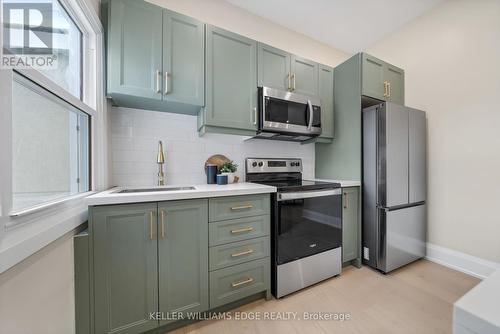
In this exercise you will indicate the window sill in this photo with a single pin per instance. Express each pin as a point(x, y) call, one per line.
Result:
point(24, 239)
point(49, 205)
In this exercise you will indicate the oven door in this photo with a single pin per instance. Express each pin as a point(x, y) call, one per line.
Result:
point(286, 112)
point(308, 222)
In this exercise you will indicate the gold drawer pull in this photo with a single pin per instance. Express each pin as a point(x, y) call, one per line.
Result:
point(162, 213)
point(250, 251)
point(247, 206)
point(236, 284)
point(241, 230)
point(151, 225)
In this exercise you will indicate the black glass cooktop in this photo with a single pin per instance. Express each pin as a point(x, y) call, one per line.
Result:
point(298, 185)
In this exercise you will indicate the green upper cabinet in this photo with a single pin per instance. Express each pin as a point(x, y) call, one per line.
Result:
point(304, 76)
point(231, 83)
point(183, 59)
point(155, 57)
point(125, 267)
point(134, 49)
point(273, 67)
point(381, 80)
point(373, 77)
point(395, 78)
point(326, 97)
point(183, 256)
point(282, 70)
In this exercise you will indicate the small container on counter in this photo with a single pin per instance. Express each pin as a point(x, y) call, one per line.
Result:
point(221, 179)
point(211, 174)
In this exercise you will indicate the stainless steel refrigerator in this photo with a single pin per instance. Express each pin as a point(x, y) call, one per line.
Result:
point(394, 186)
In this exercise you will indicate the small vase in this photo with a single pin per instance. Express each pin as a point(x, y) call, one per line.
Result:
point(230, 177)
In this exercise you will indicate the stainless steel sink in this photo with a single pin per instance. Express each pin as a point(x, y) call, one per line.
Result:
point(145, 190)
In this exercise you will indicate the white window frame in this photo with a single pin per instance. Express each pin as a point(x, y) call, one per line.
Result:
point(32, 229)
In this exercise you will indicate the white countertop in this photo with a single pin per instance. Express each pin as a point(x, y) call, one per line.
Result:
point(112, 196)
point(343, 183)
point(478, 309)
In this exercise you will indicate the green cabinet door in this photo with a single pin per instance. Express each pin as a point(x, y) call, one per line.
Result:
point(350, 224)
point(134, 49)
point(373, 72)
point(395, 78)
point(183, 256)
point(231, 80)
point(273, 67)
point(304, 76)
point(125, 267)
point(326, 97)
point(183, 59)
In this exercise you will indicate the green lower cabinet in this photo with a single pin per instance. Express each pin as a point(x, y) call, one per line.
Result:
point(350, 224)
point(142, 265)
point(233, 283)
point(183, 256)
point(125, 267)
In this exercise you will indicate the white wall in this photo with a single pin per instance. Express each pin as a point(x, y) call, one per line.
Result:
point(451, 60)
point(233, 18)
point(37, 295)
point(135, 134)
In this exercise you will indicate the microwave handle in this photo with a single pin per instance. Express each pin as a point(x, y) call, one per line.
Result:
point(310, 108)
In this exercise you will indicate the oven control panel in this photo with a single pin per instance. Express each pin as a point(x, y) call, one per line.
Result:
point(260, 165)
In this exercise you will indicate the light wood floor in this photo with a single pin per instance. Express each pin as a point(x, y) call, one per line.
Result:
point(417, 298)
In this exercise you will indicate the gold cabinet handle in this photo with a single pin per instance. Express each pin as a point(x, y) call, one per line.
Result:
point(151, 225)
point(345, 201)
point(166, 83)
point(246, 281)
point(385, 88)
point(289, 81)
point(241, 230)
point(388, 89)
point(250, 251)
point(293, 77)
point(162, 216)
point(242, 207)
point(158, 74)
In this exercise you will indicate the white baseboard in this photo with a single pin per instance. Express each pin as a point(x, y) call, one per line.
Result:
point(465, 263)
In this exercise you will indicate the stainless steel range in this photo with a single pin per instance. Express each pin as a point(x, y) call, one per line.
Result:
point(306, 226)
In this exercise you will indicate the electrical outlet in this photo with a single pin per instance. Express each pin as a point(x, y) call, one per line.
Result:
point(366, 253)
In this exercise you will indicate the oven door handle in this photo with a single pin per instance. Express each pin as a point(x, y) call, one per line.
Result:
point(311, 110)
point(308, 194)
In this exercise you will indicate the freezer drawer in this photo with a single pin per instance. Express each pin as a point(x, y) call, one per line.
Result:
point(403, 235)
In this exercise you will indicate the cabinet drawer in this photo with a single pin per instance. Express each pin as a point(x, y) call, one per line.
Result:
point(224, 208)
point(236, 282)
point(238, 252)
point(227, 231)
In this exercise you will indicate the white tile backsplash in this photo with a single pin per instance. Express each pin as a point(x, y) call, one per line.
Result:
point(135, 134)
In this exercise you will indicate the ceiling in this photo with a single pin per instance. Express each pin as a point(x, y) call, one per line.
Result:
point(348, 25)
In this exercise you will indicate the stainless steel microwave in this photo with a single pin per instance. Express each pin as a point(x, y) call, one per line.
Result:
point(288, 116)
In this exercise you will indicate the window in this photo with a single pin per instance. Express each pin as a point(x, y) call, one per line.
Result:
point(66, 43)
point(67, 47)
point(49, 146)
point(52, 126)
